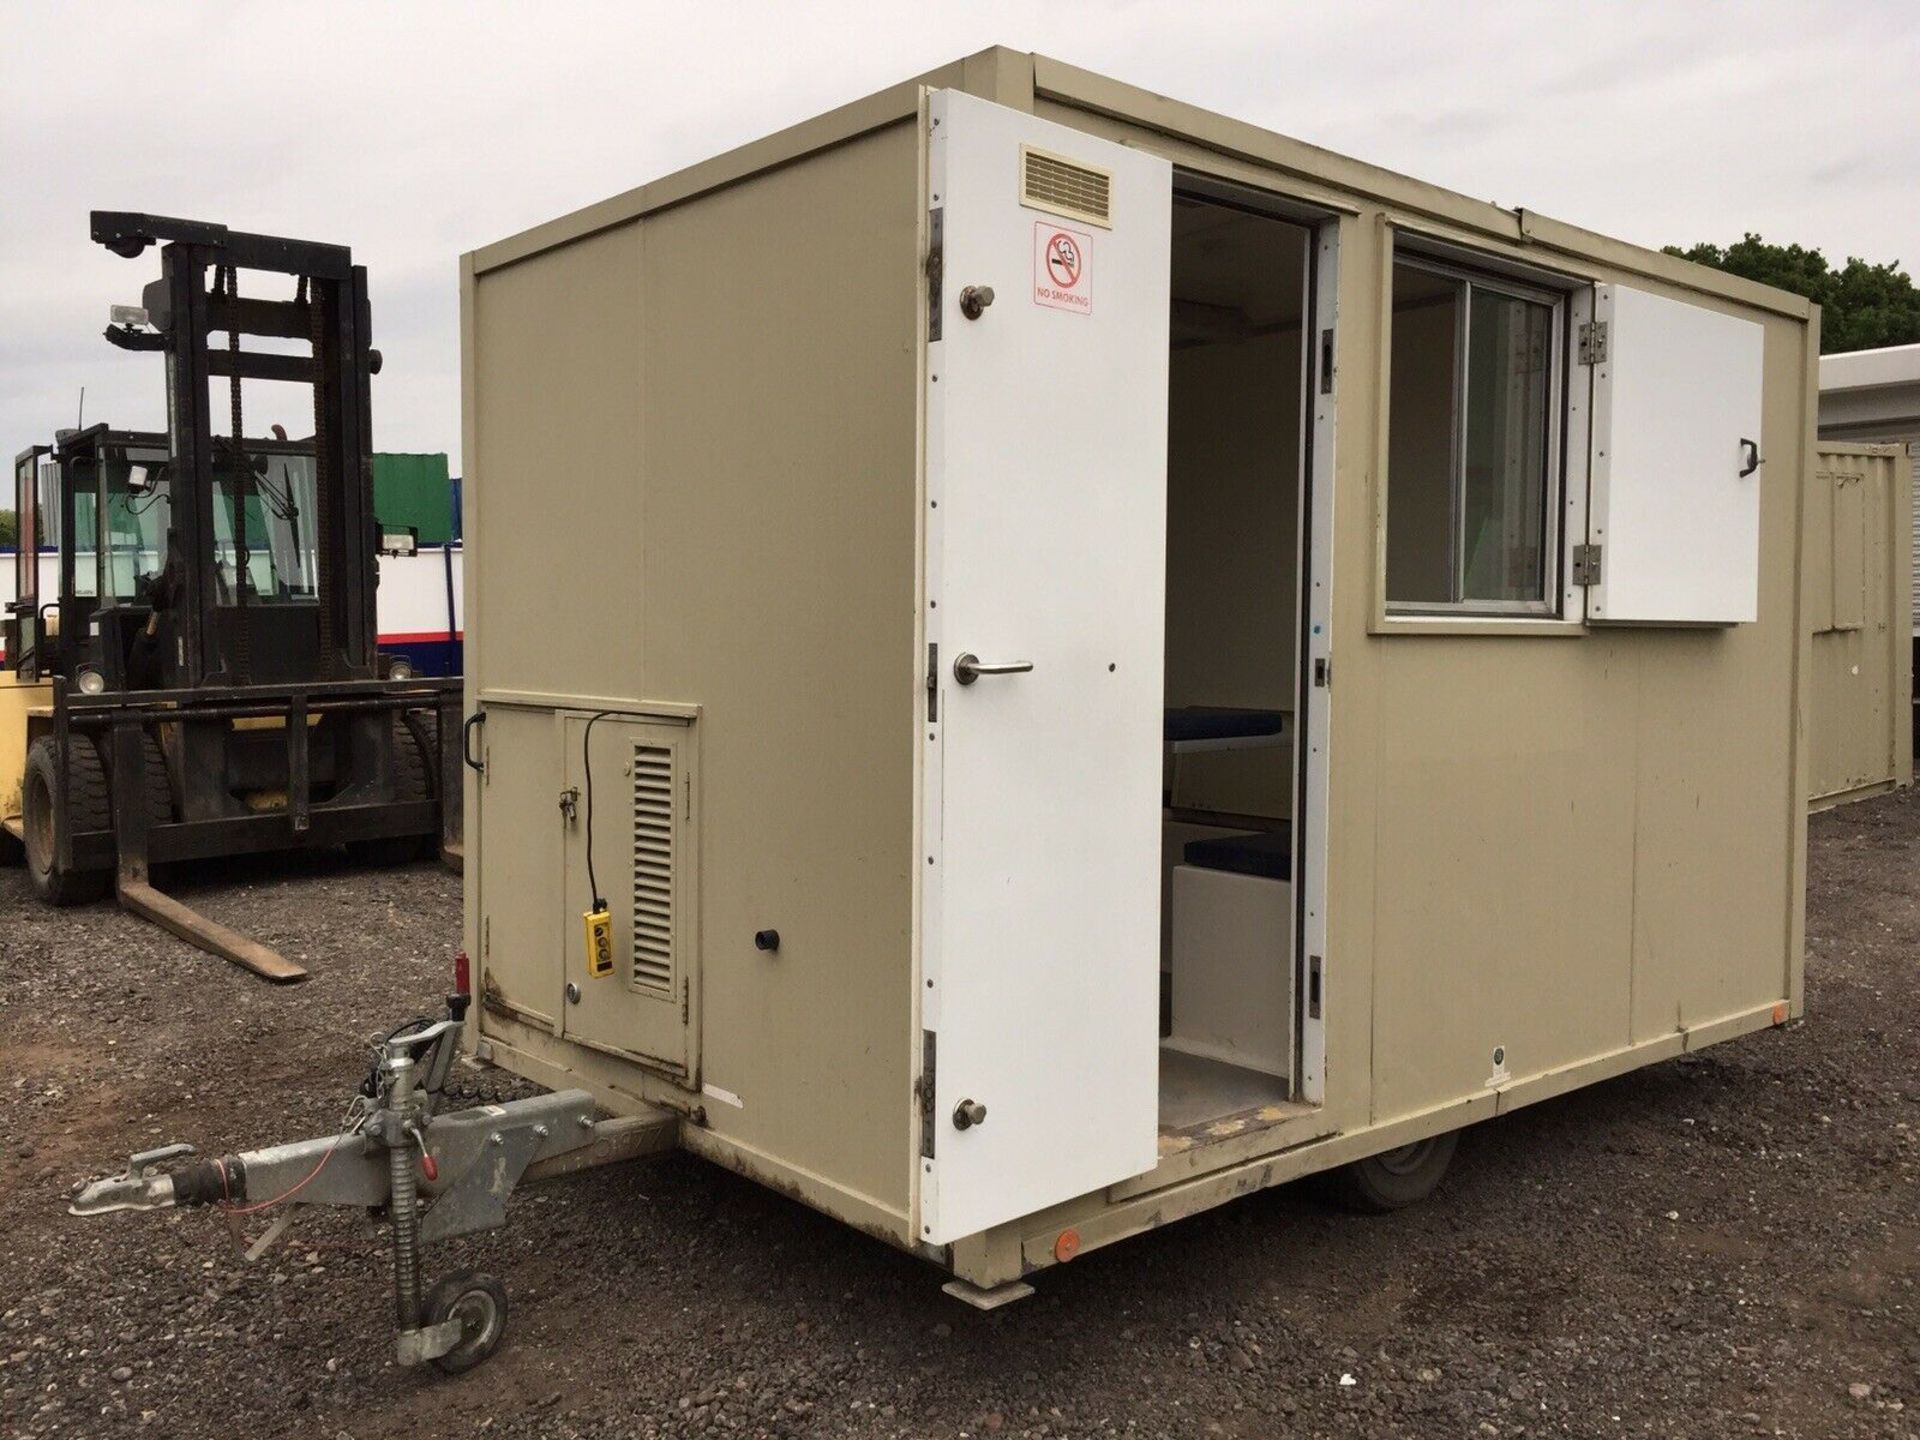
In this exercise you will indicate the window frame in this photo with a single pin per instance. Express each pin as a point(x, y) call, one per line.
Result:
point(1561, 295)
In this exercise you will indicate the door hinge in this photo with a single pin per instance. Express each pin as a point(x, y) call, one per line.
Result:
point(1586, 564)
point(936, 263)
point(923, 1092)
point(1593, 343)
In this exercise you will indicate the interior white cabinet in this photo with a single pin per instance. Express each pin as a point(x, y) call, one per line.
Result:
point(1677, 464)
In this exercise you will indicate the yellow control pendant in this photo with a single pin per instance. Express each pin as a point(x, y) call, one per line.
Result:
point(599, 925)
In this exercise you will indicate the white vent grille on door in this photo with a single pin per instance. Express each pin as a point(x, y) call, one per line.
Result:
point(1065, 187)
point(656, 838)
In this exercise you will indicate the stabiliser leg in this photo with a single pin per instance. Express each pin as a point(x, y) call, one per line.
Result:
point(435, 1176)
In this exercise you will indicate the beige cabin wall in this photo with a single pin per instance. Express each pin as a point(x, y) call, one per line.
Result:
point(1555, 845)
point(712, 409)
point(1558, 841)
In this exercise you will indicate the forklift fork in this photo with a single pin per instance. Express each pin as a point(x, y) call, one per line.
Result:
point(135, 890)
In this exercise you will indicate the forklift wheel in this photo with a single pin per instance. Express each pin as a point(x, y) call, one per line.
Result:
point(1399, 1178)
point(87, 809)
point(479, 1303)
point(159, 787)
point(412, 780)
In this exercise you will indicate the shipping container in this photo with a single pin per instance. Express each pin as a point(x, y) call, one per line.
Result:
point(412, 492)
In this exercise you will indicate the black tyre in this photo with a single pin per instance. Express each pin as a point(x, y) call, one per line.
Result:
point(1397, 1178)
point(412, 780)
point(86, 809)
point(479, 1303)
point(159, 788)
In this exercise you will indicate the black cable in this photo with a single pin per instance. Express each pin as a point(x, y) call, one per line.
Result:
point(586, 775)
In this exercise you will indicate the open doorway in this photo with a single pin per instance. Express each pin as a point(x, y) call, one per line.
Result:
point(1235, 466)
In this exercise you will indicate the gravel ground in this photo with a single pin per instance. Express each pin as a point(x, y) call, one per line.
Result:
point(1721, 1245)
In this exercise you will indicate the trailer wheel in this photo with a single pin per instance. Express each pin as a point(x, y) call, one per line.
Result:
point(479, 1303)
point(86, 809)
point(1397, 1178)
point(412, 780)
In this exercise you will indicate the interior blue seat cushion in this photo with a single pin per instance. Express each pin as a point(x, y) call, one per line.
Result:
point(1268, 855)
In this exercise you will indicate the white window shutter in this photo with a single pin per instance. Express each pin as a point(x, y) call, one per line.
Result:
point(1675, 489)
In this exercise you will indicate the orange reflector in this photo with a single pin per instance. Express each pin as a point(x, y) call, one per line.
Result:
point(1780, 1014)
point(1067, 1246)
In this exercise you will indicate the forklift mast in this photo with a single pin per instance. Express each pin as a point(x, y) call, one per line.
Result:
point(217, 631)
point(207, 681)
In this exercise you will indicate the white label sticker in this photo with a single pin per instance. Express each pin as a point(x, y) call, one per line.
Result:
point(1062, 260)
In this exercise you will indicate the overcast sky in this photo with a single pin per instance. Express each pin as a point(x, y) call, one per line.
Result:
point(414, 131)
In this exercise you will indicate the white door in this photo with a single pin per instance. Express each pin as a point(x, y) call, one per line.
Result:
point(1045, 567)
point(1676, 469)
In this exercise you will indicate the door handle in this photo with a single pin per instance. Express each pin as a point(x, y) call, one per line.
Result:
point(969, 667)
point(1751, 454)
point(473, 722)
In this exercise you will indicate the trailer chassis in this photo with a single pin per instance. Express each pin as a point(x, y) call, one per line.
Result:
point(432, 1175)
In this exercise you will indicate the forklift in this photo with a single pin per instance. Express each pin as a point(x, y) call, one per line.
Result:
point(206, 679)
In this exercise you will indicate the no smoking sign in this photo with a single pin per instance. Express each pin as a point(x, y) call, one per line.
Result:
point(1062, 259)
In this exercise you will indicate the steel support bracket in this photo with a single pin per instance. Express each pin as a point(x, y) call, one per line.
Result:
point(429, 1342)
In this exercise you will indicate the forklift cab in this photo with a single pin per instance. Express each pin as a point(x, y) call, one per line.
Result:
point(98, 499)
point(25, 625)
point(105, 503)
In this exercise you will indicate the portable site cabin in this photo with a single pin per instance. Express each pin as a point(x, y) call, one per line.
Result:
point(1859, 578)
point(1871, 398)
point(1110, 658)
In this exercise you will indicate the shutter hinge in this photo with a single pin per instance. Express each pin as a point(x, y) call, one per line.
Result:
point(1586, 564)
point(923, 1092)
point(1593, 343)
